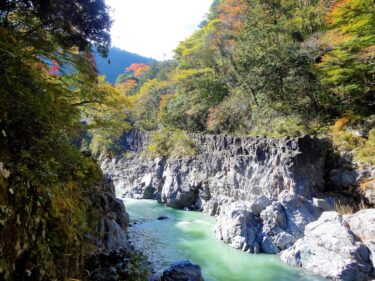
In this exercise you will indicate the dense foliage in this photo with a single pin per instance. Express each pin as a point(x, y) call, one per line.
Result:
point(267, 67)
point(253, 67)
point(50, 95)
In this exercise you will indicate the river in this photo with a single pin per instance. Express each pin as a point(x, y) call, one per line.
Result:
point(190, 236)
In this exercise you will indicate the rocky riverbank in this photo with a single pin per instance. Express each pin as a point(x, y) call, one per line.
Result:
point(269, 195)
point(114, 257)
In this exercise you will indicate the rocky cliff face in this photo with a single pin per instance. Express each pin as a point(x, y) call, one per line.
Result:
point(111, 256)
point(114, 219)
point(261, 189)
point(267, 194)
point(338, 247)
point(226, 169)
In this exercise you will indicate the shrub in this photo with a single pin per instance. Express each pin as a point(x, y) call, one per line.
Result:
point(233, 115)
point(362, 148)
point(366, 152)
point(171, 143)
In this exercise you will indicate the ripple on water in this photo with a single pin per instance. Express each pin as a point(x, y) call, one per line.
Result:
point(189, 235)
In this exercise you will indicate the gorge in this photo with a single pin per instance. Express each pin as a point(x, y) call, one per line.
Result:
point(268, 195)
point(246, 153)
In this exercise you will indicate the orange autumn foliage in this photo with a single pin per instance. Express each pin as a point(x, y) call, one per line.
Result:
point(137, 68)
point(231, 14)
point(127, 85)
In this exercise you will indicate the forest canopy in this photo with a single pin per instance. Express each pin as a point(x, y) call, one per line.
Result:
point(265, 68)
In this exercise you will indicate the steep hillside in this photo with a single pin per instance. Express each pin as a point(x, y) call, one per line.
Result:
point(116, 62)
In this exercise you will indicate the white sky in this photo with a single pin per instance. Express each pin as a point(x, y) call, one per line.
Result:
point(153, 28)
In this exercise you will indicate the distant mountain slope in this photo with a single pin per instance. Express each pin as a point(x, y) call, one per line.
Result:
point(119, 60)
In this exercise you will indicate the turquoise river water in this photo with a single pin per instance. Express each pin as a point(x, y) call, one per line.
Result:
point(190, 236)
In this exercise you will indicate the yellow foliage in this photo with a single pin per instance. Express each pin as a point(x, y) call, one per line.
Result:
point(366, 152)
point(171, 143)
point(340, 123)
point(363, 149)
point(162, 106)
point(369, 183)
point(344, 208)
point(336, 37)
point(180, 75)
point(368, 53)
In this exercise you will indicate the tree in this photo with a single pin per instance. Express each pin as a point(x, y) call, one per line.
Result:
point(44, 214)
point(137, 69)
point(347, 69)
point(70, 23)
point(268, 60)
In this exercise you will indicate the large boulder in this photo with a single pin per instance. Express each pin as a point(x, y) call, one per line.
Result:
point(176, 193)
point(238, 227)
point(331, 249)
point(284, 221)
point(112, 233)
point(182, 271)
point(362, 224)
point(267, 226)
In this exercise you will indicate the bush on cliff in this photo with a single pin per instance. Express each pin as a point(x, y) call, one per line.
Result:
point(355, 135)
point(168, 142)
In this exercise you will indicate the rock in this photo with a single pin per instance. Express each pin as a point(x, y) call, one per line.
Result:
point(346, 175)
point(331, 249)
point(103, 274)
point(212, 207)
point(367, 188)
point(226, 169)
point(326, 204)
point(238, 227)
point(284, 221)
point(182, 271)
point(111, 235)
point(362, 224)
point(259, 204)
point(112, 258)
point(176, 194)
point(273, 180)
point(162, 218)
point(111, 266)
point(343, 178)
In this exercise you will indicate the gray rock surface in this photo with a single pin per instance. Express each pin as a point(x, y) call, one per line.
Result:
point(113, 254)
point(238, 227)
point(182, 271)
point(362, 224)
point(331, 249)
point(226, 169)
point(112, 226)
point(284, 221)
point(263, 192)
point(270, 180)
point(276, 228)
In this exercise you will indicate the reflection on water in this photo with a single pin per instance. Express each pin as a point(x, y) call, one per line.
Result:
point(189, 236)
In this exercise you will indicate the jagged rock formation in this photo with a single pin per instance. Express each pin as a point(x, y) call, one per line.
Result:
point(331, 248)
point(267, 194)
point(354, 179)
point(112, 257)
point(362, 224)
point(113, 223)
point(226, 169)
point(275, 228)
